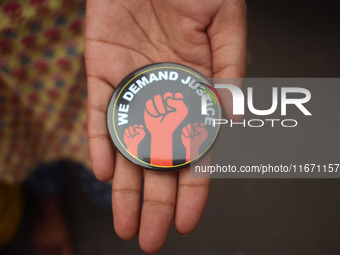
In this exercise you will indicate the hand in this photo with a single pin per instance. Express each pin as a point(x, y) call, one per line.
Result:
point(162, 117)
point(192, 138)
point(123, 35)
point(132, 137)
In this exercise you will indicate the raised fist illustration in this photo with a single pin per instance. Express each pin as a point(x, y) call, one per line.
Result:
point(132, 137)
point(162, 116)
point(192, 138)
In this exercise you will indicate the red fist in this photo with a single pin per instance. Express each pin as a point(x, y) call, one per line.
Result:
point(192, 138)
point(162, 116)
point(132, 137)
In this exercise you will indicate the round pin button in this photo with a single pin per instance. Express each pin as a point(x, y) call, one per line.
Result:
point(162, 116)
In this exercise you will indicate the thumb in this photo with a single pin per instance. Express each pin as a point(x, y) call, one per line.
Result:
point(199, 128)
point(140, 130)
point(202, 132)
point(176, 103)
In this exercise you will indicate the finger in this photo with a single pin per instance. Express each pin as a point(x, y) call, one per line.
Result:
point(132, 132)
point(228, 35)
point(126, 197)
point(179, 95)
point(185, 132)
point(203, 132)
point(199, 129)
point(158, 209)
point(165, 96)
point(127, 133)
point(159, 105)
point(151, 109)
point(192, 196)
point(139, 131)
point(139, 128)
point(228, 39)
point(100, 146)
point(190, 130)
point(195, 127)
point(177, 104)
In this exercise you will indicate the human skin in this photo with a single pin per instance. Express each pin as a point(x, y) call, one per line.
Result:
point(123, 35)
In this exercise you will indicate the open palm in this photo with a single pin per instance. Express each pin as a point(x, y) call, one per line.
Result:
point(123, 35)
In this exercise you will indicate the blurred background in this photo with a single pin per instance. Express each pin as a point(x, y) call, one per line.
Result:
point(245, 216)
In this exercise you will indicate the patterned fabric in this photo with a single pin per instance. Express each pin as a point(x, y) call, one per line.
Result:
point(42, 85)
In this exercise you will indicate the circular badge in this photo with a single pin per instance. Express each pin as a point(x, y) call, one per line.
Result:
point(163, 116)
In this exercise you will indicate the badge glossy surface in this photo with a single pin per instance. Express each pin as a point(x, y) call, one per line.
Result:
point(161, 116)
